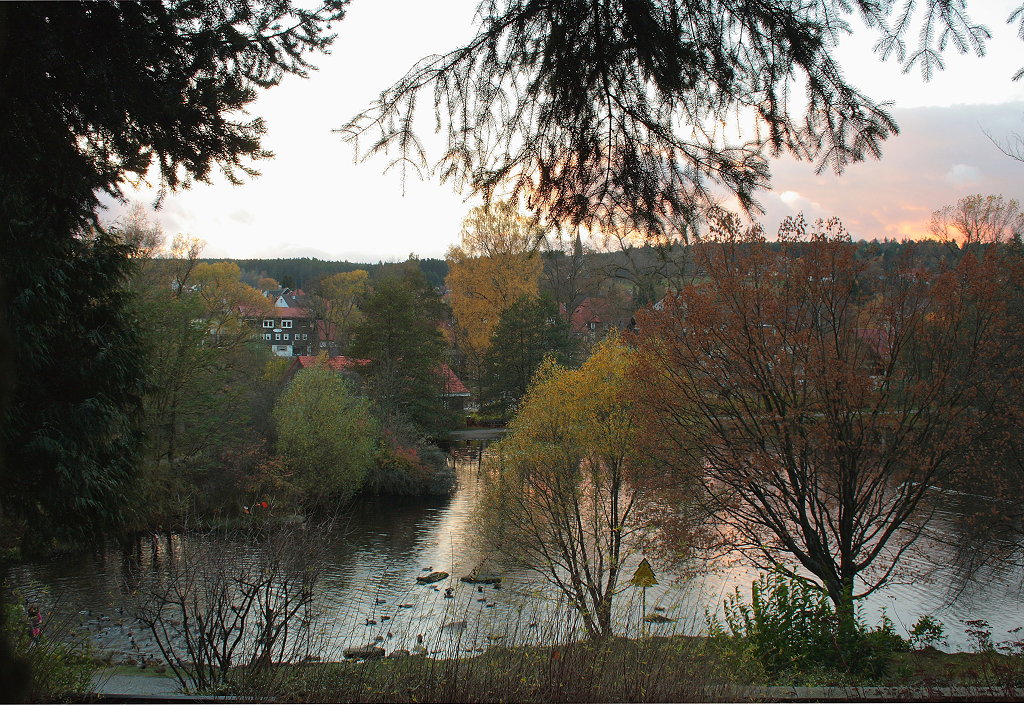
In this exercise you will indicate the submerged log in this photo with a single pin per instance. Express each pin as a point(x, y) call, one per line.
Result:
point(369, 651)
point(432, 578)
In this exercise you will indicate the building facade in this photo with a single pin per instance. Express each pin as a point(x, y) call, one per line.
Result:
point(288, 331)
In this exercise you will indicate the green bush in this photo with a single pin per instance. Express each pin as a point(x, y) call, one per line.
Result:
point(791, 628)
point(59, 667)
point(927, 632)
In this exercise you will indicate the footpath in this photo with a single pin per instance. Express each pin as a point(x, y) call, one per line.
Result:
point(478, 434)
point(154, 688)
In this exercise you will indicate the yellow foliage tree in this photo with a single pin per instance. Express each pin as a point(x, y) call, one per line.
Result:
point(495, 265)
point(337, 302)
point(227, 301)
point(573, 494)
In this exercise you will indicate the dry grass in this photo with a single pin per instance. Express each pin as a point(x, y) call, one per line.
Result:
point(655, 669)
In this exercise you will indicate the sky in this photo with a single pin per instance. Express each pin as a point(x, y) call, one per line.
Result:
point(313, 200)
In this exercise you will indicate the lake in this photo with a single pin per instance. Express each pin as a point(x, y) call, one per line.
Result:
point(368, 591)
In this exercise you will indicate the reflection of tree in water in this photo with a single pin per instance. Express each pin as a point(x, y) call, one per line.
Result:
point(986, 537)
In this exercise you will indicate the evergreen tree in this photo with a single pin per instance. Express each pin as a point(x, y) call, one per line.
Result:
point(400, 338)
point(94, 94)
point(613, 113)
point(72, 432)
point(529, 330)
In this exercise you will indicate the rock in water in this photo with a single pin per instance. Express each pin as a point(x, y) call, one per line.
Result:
point(657, 619)
point(368, 651)
point(432, 578)
point(481, 579)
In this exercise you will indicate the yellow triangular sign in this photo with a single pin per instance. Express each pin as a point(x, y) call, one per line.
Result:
point(644, 576)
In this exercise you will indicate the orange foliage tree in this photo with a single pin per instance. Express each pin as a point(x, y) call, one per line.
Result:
point(822, 405)
point(495, 265)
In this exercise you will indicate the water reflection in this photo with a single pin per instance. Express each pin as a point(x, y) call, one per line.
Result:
point(369, 594)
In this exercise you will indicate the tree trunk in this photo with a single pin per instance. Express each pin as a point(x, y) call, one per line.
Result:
point(841, 594)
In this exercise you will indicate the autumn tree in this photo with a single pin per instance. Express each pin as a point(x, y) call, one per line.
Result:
point(495, 264)
point(979, 219)
point(529, 330)
point(335, 301)
point(822, 417)
point(326, 435)
point(193, 320)
point(573, 483)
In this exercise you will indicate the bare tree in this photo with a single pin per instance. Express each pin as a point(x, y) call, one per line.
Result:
point(565, 269)
point(213, 609)
point(979, 219)
point(1012, 146)
point(822, 405)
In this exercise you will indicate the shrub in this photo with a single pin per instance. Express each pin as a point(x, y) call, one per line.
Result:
point(325, 434)
point(215, 619)
point(927, 632)
point(406, 464)
point(791, 628)
point(60, 665)
point(980, 634)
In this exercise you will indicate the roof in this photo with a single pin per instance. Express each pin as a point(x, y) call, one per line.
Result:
point(453, 386)
point(877, 339)
point(586, 312)
point(288, 312)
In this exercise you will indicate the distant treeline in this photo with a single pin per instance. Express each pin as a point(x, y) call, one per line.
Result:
point(302, 273)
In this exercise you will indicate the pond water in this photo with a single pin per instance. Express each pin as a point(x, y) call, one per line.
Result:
point(368, 592)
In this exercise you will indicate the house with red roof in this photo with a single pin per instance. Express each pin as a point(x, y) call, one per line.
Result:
point(288, 330)
point(587, 318)
point(455, 393)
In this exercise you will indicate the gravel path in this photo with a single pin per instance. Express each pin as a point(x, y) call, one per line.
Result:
point(131, 684)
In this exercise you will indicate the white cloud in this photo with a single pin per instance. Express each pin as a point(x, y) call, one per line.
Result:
point(242, 216)
point(962, 175)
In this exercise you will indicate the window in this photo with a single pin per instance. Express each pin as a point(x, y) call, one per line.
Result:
point(286, 336)
point(592, 325)
point(267, 336)
point(286, 324)
point(277, 336)
point(268, 322)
